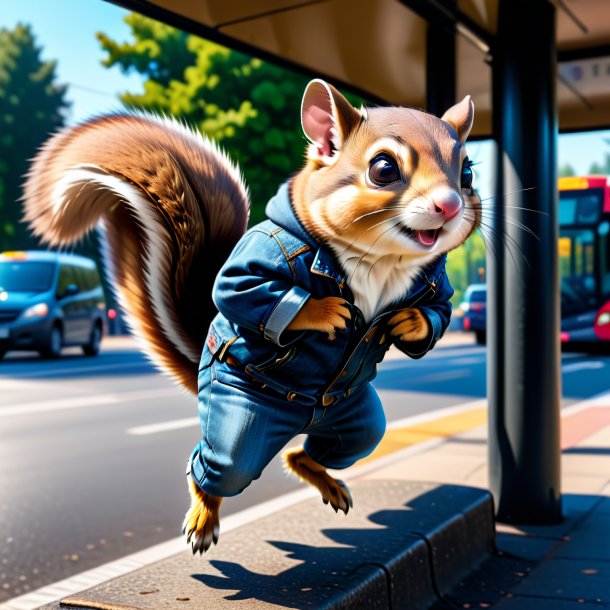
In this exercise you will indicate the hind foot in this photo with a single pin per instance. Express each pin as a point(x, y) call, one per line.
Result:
point(333, 490)
point(202, 522)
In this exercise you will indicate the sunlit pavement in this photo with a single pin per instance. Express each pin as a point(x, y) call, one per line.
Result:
point(92, 451)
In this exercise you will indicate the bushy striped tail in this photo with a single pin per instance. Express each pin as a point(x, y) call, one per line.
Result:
point(171, 206)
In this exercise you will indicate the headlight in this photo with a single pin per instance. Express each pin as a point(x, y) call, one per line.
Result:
point(36, 311)
point(604, 318)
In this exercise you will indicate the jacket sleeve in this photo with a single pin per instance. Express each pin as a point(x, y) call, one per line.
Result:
point(255, 289)
point(436, 308)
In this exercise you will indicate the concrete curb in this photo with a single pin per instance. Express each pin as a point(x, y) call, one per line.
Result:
point(403, 546)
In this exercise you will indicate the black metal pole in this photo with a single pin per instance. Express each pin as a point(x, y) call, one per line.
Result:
point(440, 65)
point(523, 293)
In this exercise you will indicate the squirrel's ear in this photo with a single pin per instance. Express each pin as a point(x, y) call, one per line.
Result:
point(327, 117)
point(461, 117)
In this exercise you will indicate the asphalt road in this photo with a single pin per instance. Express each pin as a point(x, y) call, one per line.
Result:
point(93, 450)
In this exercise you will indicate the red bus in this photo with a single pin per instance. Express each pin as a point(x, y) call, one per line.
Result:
point(584, 258)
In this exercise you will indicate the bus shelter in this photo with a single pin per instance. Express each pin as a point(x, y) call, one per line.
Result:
point(532, 67)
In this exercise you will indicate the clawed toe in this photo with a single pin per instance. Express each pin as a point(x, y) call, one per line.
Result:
point(333, 491)
point(201, 524)
point(202, 539)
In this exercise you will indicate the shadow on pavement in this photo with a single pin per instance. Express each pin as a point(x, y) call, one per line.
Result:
point(325, 572)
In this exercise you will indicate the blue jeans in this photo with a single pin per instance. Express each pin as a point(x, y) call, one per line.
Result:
point(245, 425)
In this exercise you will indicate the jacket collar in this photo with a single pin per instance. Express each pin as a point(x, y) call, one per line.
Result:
point(325, 264)
point(280, 211)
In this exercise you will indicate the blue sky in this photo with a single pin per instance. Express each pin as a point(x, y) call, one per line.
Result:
point(66, 31)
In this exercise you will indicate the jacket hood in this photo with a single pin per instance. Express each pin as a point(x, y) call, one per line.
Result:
point(280, 211)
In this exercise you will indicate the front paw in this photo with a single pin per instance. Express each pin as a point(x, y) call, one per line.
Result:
point(409, 325)
point(327, 315)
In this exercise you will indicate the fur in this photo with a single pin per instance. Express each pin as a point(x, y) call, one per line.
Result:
point(173, 207)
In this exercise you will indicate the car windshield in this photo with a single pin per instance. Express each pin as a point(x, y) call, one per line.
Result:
point(478, 296)
point(26, 276)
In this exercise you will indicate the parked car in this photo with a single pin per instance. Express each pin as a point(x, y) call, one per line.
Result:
point(474, 307)
point(48, 301)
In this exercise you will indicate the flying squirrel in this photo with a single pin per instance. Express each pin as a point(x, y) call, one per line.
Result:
point(277, 329)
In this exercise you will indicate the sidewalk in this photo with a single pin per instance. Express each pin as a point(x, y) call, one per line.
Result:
point(560, 567)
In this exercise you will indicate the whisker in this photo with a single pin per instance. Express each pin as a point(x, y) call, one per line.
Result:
point(372, 246)
point(372, 213)
point(531, 188)
point(516, 223)
point(488, 208)
point(489, 245)
point(365, 231)
point(511, 244)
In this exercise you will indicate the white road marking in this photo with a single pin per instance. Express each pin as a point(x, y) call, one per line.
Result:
point(28, 385)
point(582, 366)
point(77, 402)
point(175, 424)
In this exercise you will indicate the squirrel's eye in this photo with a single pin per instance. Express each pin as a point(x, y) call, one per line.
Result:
point(383, 170)
point(467, 175)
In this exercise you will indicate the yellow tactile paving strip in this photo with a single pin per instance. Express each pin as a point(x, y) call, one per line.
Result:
point(443, 427)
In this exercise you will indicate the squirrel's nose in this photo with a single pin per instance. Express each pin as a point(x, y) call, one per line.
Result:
point(449, 204)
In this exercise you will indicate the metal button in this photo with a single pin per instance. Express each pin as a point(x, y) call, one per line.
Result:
point(291, 396)
point(327, 400)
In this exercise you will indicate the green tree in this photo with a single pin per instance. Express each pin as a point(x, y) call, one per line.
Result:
point(601, 168)
point(32, 105)
point(249, 106)
point(566, 170)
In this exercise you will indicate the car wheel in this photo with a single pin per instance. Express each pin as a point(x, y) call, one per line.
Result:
point(93, 347)
point(54, 345)
point(481, 337)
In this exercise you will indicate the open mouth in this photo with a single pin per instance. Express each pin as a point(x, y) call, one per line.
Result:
point(424, 237)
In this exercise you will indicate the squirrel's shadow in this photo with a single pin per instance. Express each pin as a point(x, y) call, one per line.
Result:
point(325, 571)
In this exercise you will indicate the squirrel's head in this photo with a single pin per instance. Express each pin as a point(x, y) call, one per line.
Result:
point(385, 181)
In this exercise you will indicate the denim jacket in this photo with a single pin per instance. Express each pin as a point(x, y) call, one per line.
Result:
point(273, 270)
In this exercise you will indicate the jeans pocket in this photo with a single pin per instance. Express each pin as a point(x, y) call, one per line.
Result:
point(278, 360)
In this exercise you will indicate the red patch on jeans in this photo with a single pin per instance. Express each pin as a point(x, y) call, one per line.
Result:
point(212, 345)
